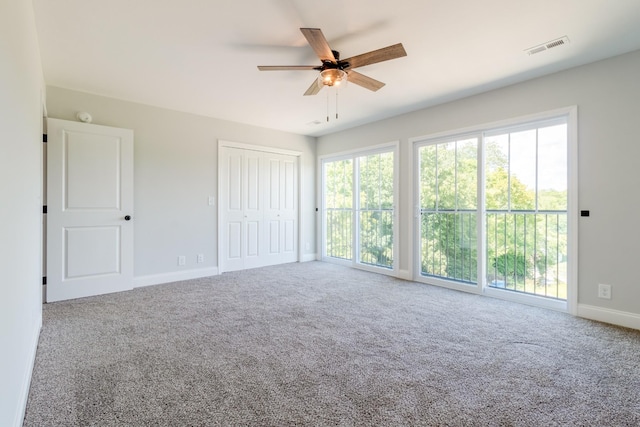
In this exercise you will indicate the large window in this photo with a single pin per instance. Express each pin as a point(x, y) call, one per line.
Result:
point(358, 208)
point(493, 208)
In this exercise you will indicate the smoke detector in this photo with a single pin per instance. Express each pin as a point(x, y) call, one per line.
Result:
point(548, 45)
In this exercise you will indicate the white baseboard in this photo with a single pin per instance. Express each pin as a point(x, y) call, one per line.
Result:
point(309, 257)
point(26, 382)
point(615, 317)
point(174, 276)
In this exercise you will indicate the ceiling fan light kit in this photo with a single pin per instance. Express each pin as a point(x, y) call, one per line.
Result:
point(335, 71)
point(332, 77)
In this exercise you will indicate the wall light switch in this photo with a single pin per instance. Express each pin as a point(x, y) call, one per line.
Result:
point(212, 201)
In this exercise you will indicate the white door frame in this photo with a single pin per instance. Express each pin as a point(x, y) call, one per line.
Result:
point(264, 149)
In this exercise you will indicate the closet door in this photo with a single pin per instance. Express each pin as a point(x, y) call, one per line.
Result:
point(241, 209)
point(253, 201)
point(231, 209)
point(281, 208)
point(259, 208)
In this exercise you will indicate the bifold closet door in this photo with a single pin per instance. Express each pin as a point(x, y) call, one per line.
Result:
point(281, 209)
point(259, 208)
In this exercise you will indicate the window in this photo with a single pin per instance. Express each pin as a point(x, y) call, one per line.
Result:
point(493, 209)
point(358, 202)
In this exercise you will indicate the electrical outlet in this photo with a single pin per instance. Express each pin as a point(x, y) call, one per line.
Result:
point(604, 291)
point(307, 246)
point(200, 258)
point(212, 201)
point(182, 260)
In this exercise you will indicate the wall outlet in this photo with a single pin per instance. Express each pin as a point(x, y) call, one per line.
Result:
point(307, 246)
point(182, 260)
point(604, 291)
point(200, 258)
point(212, 201)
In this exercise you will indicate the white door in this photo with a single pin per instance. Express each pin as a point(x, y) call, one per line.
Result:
point(281, 209)
point(258, 207)
point(252, 202)
point(89, 210)
point(242, 200)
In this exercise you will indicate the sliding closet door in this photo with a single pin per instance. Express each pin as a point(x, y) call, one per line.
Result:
point(258, 208)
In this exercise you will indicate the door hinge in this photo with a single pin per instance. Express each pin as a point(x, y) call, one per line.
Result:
point(44, 209)
point(44, 280)
point(44, 137)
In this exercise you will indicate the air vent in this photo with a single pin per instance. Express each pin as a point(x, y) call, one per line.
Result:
point(548, 45)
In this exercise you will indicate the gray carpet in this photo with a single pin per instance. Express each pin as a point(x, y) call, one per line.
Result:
point(319, 344)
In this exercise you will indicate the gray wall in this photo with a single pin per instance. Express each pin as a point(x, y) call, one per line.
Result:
point(607, 94)
point(20, 207)
point(175, 170)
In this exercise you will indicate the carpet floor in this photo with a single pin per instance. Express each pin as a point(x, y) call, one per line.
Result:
point(320, 344)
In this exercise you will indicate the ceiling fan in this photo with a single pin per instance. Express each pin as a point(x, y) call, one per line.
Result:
point(334, 70)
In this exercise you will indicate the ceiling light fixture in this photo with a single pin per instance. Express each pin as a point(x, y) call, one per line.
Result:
point(332, 77)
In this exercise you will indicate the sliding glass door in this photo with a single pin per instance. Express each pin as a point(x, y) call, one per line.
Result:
point(526, 202)
point(493, 209)
point(358, 200)
point(448, 209)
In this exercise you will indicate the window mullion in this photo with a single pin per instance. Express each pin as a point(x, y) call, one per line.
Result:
point(481, 223)
point(356, 211)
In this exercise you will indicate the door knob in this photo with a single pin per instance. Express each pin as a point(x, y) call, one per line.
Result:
point(127, 217)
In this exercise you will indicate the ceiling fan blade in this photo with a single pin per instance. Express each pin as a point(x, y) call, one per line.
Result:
point(384, 54)
point(313, 89)
point(364, 81)
point(286, 67)
point(319, 43)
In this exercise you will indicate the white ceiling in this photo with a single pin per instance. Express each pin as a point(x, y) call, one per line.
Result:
point(200, 56)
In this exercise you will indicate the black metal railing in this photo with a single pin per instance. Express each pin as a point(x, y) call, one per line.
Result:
point(449, 245)
point(527, 252)
point(376, 237)
point(339, 233)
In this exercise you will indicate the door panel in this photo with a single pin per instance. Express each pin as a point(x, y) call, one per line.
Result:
point(91, 251)
point(90, 191)
point(232, 230)
point(90, 158)
point(289, 237)
point(274, 237)
point(234, 238)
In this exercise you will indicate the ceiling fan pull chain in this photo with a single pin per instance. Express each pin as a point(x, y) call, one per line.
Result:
point(327, 105)
point(336, 104)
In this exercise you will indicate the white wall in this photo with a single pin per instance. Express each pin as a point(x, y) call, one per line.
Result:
point(175, 170)
point(607, 94)
point(21, 205)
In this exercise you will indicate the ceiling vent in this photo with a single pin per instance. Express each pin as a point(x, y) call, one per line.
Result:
point(548, 45)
